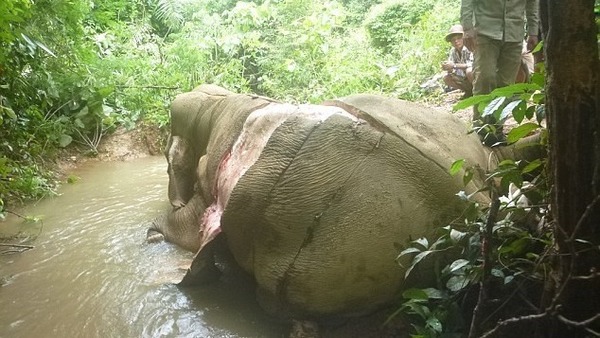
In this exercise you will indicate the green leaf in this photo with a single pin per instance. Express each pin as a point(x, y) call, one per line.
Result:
point(519, 111)
point(418, 258)
point(467, 177)
point(457, 283)
point(497, 273)
point(414, 293)
point(509, 163)
point(79, 124)
point(530, 111)
point(64, 140)
point(540, 113)
point(515, 89)
point(434, 324)
point(458, 264)
point(531, 166)
point(11, 113)
point(83, 112)
point(434, 293)
point(471, 101)
point(538, 98)
point(493, 106)
point(521, 131)
point(46, 49)
point(456, 166)
point(511, 177)
point(408, 251)
point(508, 110)
point(105, 91)
point(538, 79)
point(438, 242)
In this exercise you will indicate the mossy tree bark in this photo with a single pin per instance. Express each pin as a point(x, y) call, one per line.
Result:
point(573, 108)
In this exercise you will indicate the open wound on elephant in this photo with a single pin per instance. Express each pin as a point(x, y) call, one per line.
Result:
point(257, 129)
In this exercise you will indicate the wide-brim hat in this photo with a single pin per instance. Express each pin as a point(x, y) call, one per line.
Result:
point(454, 30)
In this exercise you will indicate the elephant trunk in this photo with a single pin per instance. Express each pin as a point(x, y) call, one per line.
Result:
point(181, 170)
point(180, 226)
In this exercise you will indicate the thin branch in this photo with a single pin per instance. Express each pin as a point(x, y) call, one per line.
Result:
point(506, 324)
point(52, 112)
point(17, 245)
point(148, 87)
point(16, 214)
point(589, 209)
point(590, 276)
point(487, 266)
point(580, 324)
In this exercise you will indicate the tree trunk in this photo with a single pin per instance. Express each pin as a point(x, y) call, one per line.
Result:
point(572, 103)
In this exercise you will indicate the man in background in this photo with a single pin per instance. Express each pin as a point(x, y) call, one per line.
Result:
point(459, 65)
point(494, 31)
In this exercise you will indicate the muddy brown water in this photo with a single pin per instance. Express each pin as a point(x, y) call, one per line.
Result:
point(90, 273)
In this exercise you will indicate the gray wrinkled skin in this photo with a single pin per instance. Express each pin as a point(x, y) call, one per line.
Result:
point(314, 201)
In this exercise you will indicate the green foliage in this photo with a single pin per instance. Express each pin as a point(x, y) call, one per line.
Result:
point(393, 20)
point(358, 10)
point(518, 237)
point(75, 70)
point(41, 62)
point(521, 101)
point(12, 14)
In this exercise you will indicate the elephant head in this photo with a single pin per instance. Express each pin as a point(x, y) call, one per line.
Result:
point(314, 200)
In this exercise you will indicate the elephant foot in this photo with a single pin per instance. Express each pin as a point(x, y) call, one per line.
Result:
point(205, 275)
point(203, 269)
point(153, 236)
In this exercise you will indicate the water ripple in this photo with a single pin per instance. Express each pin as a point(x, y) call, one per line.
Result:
point(92, 275)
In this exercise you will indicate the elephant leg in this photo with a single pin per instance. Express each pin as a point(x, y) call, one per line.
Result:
point(154, 234)
point(203, 269)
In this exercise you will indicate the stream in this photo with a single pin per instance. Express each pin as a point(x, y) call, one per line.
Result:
point(91, 274)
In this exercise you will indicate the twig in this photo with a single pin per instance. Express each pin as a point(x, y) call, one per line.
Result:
point(17, 245)
point(582, 323)
point(52, 112)
point(505, 324)
point(148, 87)
point(16, 214)
point(486, 248)
point(589, 209)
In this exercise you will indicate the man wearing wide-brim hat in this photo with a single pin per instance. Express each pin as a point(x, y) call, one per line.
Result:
point(459, 64)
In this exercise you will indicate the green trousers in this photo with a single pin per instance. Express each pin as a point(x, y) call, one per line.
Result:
point(496, 64)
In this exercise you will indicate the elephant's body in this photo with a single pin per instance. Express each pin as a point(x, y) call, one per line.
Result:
point(315, 201)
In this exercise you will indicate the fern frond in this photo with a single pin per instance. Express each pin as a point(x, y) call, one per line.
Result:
point(169, 12)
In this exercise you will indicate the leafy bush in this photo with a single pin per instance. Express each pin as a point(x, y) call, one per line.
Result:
point(392, 20)
point(501, 248)
point(74, 71)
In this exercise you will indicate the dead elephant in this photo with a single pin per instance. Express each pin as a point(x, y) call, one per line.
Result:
point(314, 201)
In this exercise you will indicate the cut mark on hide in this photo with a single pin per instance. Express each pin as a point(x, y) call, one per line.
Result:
point(256, 132)
point(380, 126)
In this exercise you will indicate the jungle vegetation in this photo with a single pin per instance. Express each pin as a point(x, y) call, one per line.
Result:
point(72, 71)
